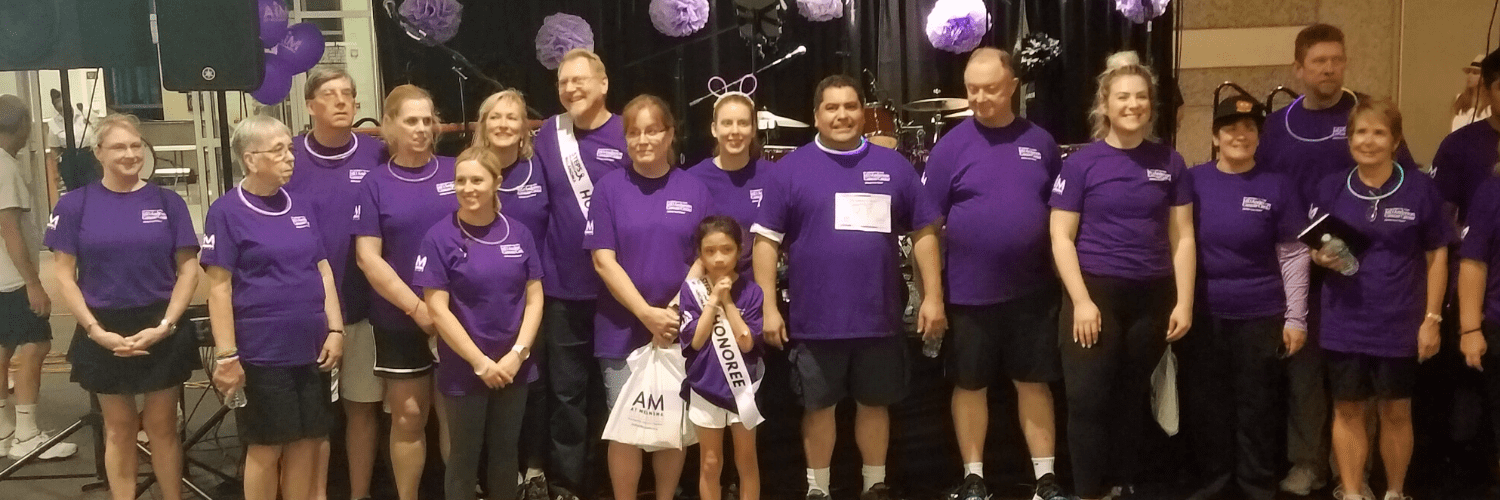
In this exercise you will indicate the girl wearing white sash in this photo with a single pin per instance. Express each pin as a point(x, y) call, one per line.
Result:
point(721, 315)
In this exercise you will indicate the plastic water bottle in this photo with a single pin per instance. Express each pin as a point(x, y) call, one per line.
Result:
point(932, 346)
point(1346, 264)
point(237, 400)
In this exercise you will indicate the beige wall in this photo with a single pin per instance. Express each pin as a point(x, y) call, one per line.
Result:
point(1252, 47)
point(1439, 38)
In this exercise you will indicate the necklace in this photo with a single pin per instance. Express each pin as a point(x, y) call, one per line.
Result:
point(523, 183)
point(862, 145)
point(1375, 199)
point(392, 170)
point(1287, 119)
point(353, 145)
point(484, 242)
point(268, 213)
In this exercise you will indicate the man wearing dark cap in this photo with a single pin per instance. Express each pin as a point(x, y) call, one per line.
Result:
point(1253, 308)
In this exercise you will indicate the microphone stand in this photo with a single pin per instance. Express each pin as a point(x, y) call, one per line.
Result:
point(460, 63)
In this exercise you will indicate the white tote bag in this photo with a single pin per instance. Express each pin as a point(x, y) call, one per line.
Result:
point(1164, 393)
point(650, 412)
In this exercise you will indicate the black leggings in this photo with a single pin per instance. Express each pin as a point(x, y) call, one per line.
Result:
point(1109, 384)
point(494, 419)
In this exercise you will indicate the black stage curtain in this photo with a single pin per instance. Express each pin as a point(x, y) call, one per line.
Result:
point(890, 44)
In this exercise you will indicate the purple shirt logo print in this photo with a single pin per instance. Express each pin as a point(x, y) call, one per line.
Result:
point(208, 242)
point(421, 263)
point(300, 222)
point(1059, 185)
point(52, 222)
point(357, 174)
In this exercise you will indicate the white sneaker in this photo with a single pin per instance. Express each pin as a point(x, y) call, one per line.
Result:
point(1392, 495)
point(20, 448)
point(5, 443)
point(1301, 481)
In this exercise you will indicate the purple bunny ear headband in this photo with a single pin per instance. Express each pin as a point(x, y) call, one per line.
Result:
point(720, 89)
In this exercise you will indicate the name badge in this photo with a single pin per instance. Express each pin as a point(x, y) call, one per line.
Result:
point(862, 212)
point(153, 215)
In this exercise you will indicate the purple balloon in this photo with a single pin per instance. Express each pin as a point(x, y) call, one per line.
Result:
point(272, 22)
point(299, 50)
point(274, 86)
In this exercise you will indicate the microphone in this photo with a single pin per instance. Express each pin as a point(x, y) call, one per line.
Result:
point(801, 49)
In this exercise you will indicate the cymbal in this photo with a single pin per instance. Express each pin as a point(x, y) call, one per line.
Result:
point(959, 115)
point(936, 105)
point(769, 120)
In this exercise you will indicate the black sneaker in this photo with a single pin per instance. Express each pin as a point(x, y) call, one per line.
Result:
point(534, 489)
point(973, 488)
point(877, 492)
point(560, 493)
point(1048, 489)
point(817, 494)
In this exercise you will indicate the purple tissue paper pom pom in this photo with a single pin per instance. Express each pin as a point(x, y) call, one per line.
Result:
point(559, 34)
point(958, 26)
point(821, 10)
point(1140, 11)
point(439, 18)
point(679, 17)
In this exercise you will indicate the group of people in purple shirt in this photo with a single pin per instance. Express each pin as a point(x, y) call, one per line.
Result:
point(495, 281)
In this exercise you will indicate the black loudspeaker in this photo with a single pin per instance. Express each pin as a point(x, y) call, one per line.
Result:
point(209, 45)
point(67, 34)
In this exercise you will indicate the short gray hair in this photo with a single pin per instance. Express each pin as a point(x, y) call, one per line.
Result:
point(251, 130)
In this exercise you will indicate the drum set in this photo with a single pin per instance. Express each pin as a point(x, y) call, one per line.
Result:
point(912, 128)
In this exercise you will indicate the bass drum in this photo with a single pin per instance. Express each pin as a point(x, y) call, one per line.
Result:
point(880, 125)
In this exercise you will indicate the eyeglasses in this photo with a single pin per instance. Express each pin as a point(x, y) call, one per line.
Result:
point(280, 151)
point(653, 133)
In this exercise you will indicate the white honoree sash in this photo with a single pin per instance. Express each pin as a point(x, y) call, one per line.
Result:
point(578, 176)
point(731, 361)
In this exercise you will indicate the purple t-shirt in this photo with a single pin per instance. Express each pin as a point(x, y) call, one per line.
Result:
point(704, 374)
point(332, 185)
point(277, 290)
point(1240, 219)
point(1320, 147)
point(737, 194)
point(125, 243)
point(1379, 309)
point(569, 268)
point(1481, 241)
point(1464, 161)
point(983, 179)
point(523, 197)
point(649, 223)
point(841, 214)
point(1124, 199)
point(485, 271)
point(398, 205)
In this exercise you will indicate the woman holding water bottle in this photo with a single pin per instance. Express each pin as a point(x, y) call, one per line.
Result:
point(1379, 319)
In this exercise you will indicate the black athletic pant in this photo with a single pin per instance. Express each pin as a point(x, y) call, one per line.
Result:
point(1229, 373)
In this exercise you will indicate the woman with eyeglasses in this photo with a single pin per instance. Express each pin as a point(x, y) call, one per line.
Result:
point(643, 219)
point(125, 258)
point(275, 315)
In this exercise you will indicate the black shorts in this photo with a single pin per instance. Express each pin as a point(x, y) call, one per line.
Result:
point(402, 354)
point(168, 362)
point(284, 405)
point(874, 371)
point(1020, 334)
point(1359, 377)
point(18, 325)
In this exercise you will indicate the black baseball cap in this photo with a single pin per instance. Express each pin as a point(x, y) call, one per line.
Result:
point(1238, 106)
